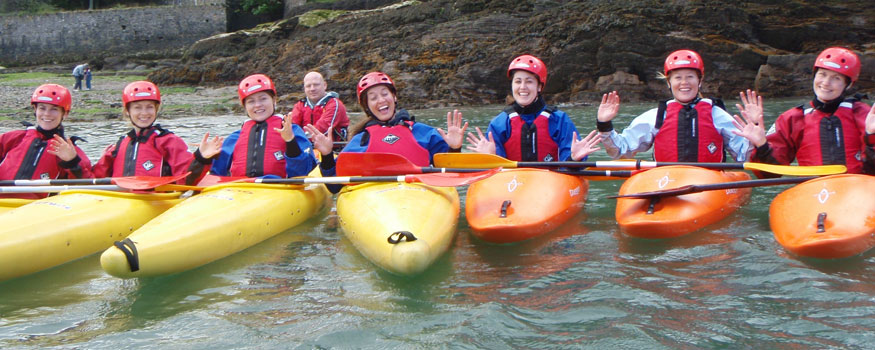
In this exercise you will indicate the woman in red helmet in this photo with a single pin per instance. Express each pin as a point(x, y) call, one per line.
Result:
point(529, 130)
point(832, 129)
point(267, 144)
point(150, 150)
point(390, 129)
point(687, 128)
point(43, 152)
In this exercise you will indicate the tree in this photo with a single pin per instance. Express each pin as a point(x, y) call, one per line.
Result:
point(261, 7)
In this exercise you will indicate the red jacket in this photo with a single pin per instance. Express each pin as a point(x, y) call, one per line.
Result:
point(815, 137)
point(24, 157)
point(152, 152)
point(324, 113)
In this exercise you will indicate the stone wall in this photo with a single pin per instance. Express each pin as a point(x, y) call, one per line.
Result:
point(85, 35)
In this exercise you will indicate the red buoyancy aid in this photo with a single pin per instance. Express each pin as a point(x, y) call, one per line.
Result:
point(399, 140)
point(139, 155)
point(531, 141)
point(28, 159)
point(310, 116)
point(831, 138)
point(687, 134)
point(260, 150)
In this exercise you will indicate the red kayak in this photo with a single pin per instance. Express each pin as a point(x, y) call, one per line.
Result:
point(830, 217)
point(520, 204)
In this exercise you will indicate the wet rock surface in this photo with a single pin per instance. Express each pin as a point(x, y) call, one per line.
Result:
point(444, 53)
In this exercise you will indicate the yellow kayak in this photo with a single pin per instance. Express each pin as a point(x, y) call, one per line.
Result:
point(55, 230)
point(7, 204)
point(400, 227)
point(222, 220)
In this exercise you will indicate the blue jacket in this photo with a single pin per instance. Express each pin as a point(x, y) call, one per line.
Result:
point(561, 129)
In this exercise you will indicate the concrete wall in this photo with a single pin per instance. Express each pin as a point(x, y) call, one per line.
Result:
point(83, 35)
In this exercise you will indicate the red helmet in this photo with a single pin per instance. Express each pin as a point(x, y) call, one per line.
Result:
point(840, 60)
point(529, 64)
point(684, 59)
point(370, 80)
point(140, 91)
point(52, 94)
point(255, 83)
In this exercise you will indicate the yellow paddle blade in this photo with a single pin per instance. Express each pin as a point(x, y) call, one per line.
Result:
point(797, 170)
point(472, 161)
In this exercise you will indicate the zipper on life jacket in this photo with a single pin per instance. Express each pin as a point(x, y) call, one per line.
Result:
point(256, 149)
point(34, 153)
point(687, 142)
point(529, 142)
point(832, 147)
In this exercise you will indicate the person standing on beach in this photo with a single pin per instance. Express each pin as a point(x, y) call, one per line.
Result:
point(79, 74)
point(87, 78)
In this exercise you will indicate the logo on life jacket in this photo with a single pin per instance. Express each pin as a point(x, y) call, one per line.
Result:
point(548, 158)
point(44, 176)
point(391, 139)
point(148, 165)
point(858, 156)
point(278, 155)
point(712, 147)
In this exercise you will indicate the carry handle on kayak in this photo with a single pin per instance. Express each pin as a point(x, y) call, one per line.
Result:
point(483, 160)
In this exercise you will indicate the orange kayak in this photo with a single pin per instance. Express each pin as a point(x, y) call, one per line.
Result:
point(830, 217)
point(673, 216)
point(519, 204)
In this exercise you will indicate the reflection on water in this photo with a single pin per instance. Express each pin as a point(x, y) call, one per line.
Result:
point(585, 285)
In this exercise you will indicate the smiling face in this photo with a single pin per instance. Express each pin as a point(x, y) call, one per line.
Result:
point(381, 102)
point(684, 84)
point(142, 113)
point(829, 85)
point(314, 86)
point(48, 116)
point(259, 106)
point(525, 87)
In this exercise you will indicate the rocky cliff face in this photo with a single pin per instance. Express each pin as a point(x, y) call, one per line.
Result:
point(446, 52)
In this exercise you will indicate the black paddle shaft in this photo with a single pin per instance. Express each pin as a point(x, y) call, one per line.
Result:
point(718, 186)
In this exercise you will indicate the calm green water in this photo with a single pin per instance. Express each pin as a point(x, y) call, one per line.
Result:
point(584, 286)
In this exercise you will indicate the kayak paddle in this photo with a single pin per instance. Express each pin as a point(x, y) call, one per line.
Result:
point(127, 182)
point(104, 184)
point(714, 187)
point(375, 164)
point(436, 179)
point(60, 188)
point(483, 160)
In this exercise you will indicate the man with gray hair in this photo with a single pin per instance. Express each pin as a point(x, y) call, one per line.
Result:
point(322, 109)
point(79, 73)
